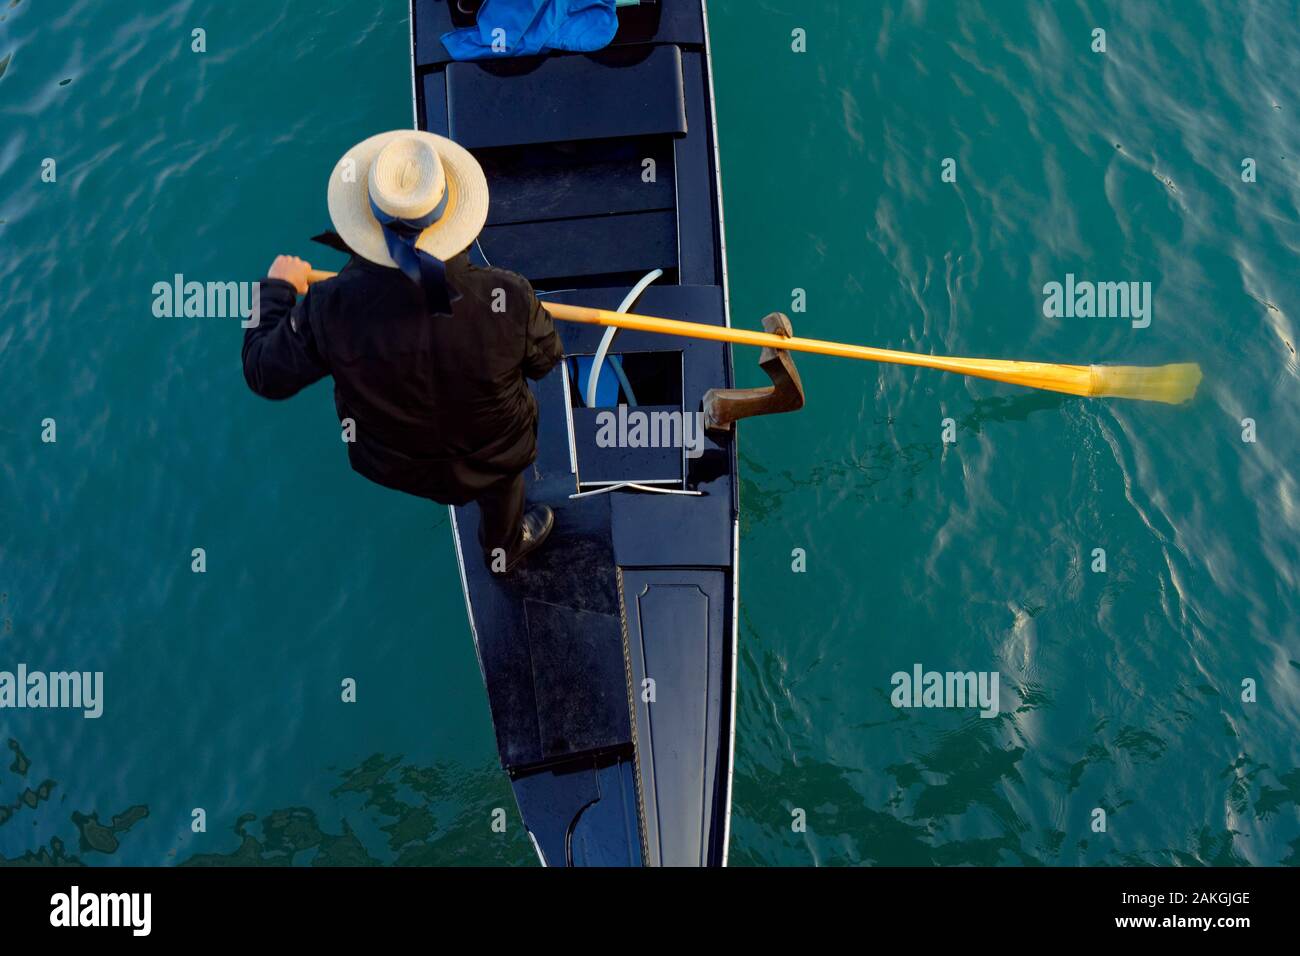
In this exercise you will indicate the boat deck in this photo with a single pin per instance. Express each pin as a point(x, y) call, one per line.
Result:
point(609, 656)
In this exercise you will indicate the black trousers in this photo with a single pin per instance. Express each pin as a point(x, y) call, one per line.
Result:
point(501, 517)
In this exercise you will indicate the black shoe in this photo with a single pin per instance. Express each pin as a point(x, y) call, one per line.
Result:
point(537, 525)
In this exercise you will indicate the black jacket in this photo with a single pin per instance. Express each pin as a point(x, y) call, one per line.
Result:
point(440, 404)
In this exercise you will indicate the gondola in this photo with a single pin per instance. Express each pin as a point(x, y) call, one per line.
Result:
point(609, 657)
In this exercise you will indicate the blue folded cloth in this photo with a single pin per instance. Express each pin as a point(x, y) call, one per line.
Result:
point(534, 26)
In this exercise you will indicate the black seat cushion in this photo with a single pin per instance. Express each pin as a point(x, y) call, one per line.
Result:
point(622, 92)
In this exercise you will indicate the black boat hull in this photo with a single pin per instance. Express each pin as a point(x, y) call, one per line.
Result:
point(609, 658)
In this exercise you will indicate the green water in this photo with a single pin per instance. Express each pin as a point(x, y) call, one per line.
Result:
point(1120, 690)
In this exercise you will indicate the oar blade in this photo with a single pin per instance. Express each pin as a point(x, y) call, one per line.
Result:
point(1171, 384)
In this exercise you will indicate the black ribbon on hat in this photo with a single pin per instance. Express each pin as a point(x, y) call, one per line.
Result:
point(421, 268)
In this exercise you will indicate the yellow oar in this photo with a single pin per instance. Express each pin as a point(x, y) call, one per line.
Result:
point(1171, 384)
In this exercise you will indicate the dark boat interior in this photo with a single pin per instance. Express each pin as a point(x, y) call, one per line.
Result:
point(608, 657)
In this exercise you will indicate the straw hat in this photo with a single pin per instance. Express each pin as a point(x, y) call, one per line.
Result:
point(408, 174)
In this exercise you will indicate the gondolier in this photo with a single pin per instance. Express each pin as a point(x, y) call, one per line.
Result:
point(428, 353)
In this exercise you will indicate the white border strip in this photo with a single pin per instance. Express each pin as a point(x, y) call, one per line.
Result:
point(568, 417)
point(735, 631)
point(464, 587)
point(735, 535)
point(536, 846)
